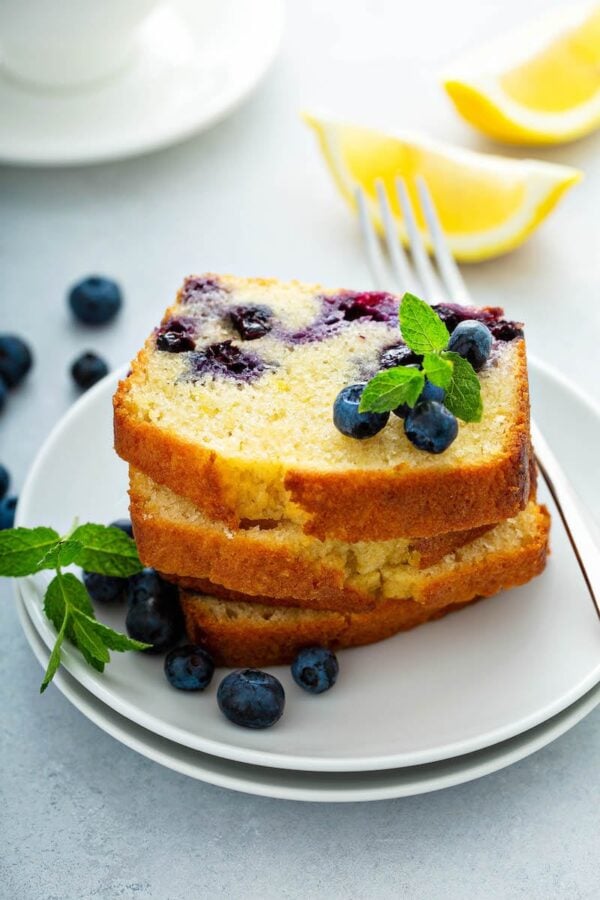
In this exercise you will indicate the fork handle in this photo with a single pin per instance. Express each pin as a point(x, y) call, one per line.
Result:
point(585, 547)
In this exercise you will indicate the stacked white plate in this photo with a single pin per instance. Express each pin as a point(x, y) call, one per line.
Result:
point(443, 704)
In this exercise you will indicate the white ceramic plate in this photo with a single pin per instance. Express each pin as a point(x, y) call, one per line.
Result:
point(196, 61)
point(323, 787)
point(449, 688)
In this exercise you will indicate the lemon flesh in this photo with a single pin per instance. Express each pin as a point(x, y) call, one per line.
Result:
point(487, 204)
point(540, 85)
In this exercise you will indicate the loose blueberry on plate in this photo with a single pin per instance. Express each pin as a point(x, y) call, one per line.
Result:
point(315, 669)
point(15, 359)
point(251, 698)
point(473, 340)
point(88, 369)
point(153, 614)
point(7, 512)
point(189, 668)
point(123, 525)
point(95, 300)
point(430, 426)
point(350, 421)
point(105, 588)
point(4, 481)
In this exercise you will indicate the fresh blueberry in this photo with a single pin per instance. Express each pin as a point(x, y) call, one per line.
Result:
point(4, 481)
point(189, 668)
point(430, 426)
point(473, 340)
point(430, 392)
point(3, 394)
point(95, 300)
point(315, 669)
point(251, 698)
point(15, 359)
point(153, 614)
point(88, 369)
point(350, 421)
point(105, 588)
point(7, 512)
point(251, 322)
point(123, 525)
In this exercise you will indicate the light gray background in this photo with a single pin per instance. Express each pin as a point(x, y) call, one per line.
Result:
point(82, 816)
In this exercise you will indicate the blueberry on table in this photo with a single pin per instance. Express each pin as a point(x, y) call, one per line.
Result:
point(88, 369)
point(251, 698)
point(95, 300)
point(315, 669)
point(473, 340)
point(189, 668)
point(8, 507)
point(15, 359)
point(105, 588)
point(123, 525)
point(430, 426)
point(350, 421)
point(153, 614)
point(4, 481)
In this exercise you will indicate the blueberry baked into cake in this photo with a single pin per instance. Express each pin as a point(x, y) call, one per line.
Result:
point(317, 466)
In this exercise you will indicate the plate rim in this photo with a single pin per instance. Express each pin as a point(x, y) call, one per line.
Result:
point(274, 11)
point(93, 683)
point(139, 739)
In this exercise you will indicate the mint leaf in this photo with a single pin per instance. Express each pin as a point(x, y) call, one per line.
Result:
point(438, 369)
point(421, 327)
point(62, 554)
point(22, 549)
point(390, 388)
point(54, 661)
point(106, 550)
point(463, 396)
point(114, 640)
point(85, 637)
point(63, 593)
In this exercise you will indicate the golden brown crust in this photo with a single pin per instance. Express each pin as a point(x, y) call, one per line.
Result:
point(243, 637)
point(196, 557)
point(370, 505)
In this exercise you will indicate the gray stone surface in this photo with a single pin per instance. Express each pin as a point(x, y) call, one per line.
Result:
point(82, 816)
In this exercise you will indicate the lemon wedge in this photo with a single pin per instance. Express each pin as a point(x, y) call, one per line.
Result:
point(538, 85)
point(487, 204)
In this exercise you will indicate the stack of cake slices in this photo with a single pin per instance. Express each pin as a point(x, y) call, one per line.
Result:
point(280, 531)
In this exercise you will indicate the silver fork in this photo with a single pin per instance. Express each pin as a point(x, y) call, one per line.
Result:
point(446, 284)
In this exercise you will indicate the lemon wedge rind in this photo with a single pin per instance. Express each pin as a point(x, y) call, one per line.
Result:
point(539, 186)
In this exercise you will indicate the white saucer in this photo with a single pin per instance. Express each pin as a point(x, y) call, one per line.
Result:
point(283, 784)
point(196, 60)
point(449, 688)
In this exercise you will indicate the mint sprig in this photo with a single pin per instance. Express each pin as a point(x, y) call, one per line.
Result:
point(97, 548)
point(425, 334)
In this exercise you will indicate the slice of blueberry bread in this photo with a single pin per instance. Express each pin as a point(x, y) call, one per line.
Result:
point(276, 560)
point(241, 633)
point(230, 404)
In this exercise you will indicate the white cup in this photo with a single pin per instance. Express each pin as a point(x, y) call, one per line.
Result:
point(64, 43)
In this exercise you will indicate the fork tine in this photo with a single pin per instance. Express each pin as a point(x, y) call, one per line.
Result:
point(449, 271)
point(421, 260)
point(370, 240)
point(398, 260)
